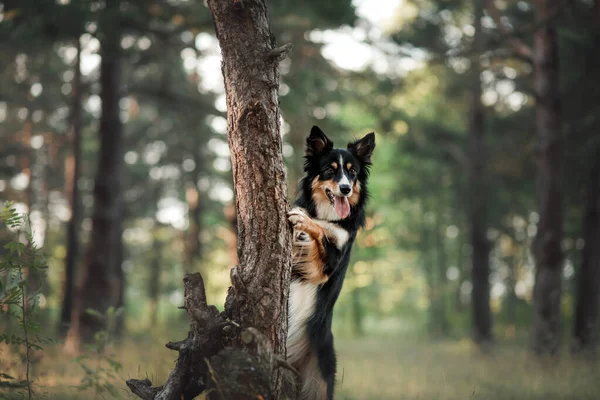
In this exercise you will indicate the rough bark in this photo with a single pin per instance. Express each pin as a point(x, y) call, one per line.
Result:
point(99, 288)
point(72, 173)
point(547, 244)
point(480, 267)
point(250, 60)
point(587, 309)
point(236, 354)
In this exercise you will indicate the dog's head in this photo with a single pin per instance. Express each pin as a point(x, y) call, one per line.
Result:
point(337, 177)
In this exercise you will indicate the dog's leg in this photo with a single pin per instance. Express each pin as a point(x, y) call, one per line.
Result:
point(318, 229)
point(308, 253)
point(317, 246)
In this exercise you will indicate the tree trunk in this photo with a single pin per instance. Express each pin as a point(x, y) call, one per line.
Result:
point(100, 284)
point(193, 246)
point(480, 267)
point(428, 268)
point(230, 232)
point(27, 162)
point(239, 359)
point(463, 273)
point(72, 172)
point(261, 281)
point(120, 282)
point(154, 280)
point(547, 244)
point(442, 267)
point(596, 11)
point(511, 301)
point(585, 333)
point(357, 313)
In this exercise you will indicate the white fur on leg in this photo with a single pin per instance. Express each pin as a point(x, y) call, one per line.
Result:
point(314, 386)
point(301, 306)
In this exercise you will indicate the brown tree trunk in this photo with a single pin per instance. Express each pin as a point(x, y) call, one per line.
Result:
point(120, 282)
point(596, 11)
point(28, 160)
point(236, 354)
point(100, 284)
point(442, 268)
point(427, 263)
point(357, 313)
point(230, 232)
point(250, 61)
point(510, 303)
point(193, 246)
point(480, 267)
point(547, 244)
point(586, 329)
point(154, 279)
point(72, 172)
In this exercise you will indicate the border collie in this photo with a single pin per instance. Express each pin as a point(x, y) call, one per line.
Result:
point(328, 212)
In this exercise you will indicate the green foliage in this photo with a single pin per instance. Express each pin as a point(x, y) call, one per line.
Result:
point(101, 369)
point(22, 261)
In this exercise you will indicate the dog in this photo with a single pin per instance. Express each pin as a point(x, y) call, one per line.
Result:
point(328, 212)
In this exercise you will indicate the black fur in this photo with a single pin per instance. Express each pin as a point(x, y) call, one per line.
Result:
point(319, 156)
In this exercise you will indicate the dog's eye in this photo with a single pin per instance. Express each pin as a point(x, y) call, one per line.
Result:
point(352, 173)
point(330, 171)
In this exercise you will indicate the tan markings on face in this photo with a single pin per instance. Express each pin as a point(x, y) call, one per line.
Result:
point(353, 199)
point(319, 188)
point(348, 166)
point(334, 165)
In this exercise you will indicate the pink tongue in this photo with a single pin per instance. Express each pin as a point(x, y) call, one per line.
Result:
point(342, 207)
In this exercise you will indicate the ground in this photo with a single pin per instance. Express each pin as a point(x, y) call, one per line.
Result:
point(402, 369)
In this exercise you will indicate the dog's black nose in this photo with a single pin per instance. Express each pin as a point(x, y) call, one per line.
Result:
point(345, 189)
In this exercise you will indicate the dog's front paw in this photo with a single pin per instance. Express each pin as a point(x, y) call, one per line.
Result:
point(304, 223)
point(297, 216)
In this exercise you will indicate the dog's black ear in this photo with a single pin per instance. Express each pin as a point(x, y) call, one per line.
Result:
point(363, 148)
point(317, 142)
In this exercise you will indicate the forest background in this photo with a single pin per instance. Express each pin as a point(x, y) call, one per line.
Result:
point(478, 272)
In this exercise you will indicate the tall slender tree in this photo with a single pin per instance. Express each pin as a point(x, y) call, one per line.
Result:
point(586, 329)
point(547, 248)
point(477, 212)
point(72, 173)
point(587, 309)
point(441, 291)
point(100, 288)
point(195, 203)
point(155, 270)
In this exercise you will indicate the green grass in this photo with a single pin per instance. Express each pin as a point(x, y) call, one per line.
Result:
point(402, 369)
point(372, 369)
